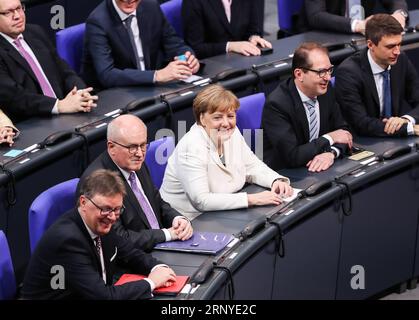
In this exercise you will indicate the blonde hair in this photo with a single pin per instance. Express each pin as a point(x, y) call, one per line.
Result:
point(214, 98)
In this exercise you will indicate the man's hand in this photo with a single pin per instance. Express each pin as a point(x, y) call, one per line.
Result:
point(321, 162)
point(182, 229)
point(394, 124)
point(175, 70)
point(257, 40)
point(6, 135)
point(416, 129)
point(245, 48)
point(400, 18)
point(162, 276)
point(77, 101)
point(192, 61)
point(341, 136)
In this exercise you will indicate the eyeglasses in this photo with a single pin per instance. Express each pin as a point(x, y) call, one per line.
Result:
point(10, 13)
point(133, 148)
point(322, 72)
point(107, 211)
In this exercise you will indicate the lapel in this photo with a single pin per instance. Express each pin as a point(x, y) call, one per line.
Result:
point(15, 55)
point(121, 31)
point(109, 250)
point(299, 109)
point(142, 21)
point(323, 105)
point(220, 13)
point(82, 227)
point(395, 75)
point(369, 78)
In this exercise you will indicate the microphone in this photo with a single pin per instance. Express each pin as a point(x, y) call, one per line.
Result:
point(252, 228)
point(201, 275)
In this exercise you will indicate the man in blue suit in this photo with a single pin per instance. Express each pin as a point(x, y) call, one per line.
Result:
point(129, 42)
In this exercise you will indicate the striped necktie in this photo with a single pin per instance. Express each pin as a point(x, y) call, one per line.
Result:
point(386, 94)
point(313, 121)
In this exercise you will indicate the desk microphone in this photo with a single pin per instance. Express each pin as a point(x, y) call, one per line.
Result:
point(417, 27)
point(252, 228)
point(201, 275)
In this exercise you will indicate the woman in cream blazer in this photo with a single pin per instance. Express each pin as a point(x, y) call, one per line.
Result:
point(212, 162)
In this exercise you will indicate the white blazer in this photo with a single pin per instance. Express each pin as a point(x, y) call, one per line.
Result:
point(196, 180)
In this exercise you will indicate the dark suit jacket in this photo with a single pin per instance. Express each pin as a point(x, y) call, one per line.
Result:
point(286, 129)
point(20, 93)
point(109, 59)
point(67, 243)
point(133, 223)
point(358, 98)
point(330, 14)
point(207, 30)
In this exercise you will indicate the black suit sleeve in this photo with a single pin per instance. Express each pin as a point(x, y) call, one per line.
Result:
point(278, 127)
point(394, 5)
point(319, 18)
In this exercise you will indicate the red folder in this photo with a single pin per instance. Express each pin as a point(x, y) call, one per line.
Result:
point(173, 290)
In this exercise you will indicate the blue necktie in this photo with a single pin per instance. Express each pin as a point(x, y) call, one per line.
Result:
point(386, 94)
point(313, 122)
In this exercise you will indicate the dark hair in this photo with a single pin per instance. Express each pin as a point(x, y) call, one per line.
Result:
point(104, 182)
point(214, 98)
point(380, 25)
point(301, 55)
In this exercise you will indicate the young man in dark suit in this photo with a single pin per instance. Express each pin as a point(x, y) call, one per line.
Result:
point(76, 257)
point(337, 16)
point(129, 42)
point(34, 81)
point(218, 26)
point(144, 224)
point(301, 121)
point(378, 87)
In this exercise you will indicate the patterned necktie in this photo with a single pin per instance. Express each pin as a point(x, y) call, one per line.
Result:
point(386, 94)
point(227, 8)
point(127, 23)
point(42, 80)
point(148, 211)
point(313, 122)
point(98, 245)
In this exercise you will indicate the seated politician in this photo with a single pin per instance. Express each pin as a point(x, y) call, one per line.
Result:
point(212, 162)
point(301, 121)
point(349, 16)
point(130, 42)
point(148, 219)
point(85, 250)
point(378, 87)
point(219, 26)
point(34, 80)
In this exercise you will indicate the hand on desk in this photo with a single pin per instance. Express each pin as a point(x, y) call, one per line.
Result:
point(162, 276)
point(181, 229)
point(393, 124)
point(283, 189)
point(77, 101)
point(341, 136)
point(263, 198)
point(178, 69)
point(321, 162)
point(400, 18)
point(6, 135)
point(245, 48)
point(416, 129)
point(257, 40)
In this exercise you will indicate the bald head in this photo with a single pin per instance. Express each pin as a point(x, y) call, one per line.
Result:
point(127, 140)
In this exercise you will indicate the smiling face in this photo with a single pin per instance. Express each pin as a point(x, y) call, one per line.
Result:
point(219, 125)
point(98, 223)
point(128, 6)
point(12, 18)
point(309, 82)
point(128, 142)
point(387, 51)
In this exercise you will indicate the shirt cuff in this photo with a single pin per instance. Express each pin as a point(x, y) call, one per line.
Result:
point(337, 152)
point(227, 44)
point(410, 119)
point(410, 129)
point(55, 109)
point(353, 24)
point(151, 283)
point(329, 138)
point(154, 76)
point(167, 235)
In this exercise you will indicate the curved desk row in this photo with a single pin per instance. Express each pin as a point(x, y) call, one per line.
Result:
point(166, 106)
